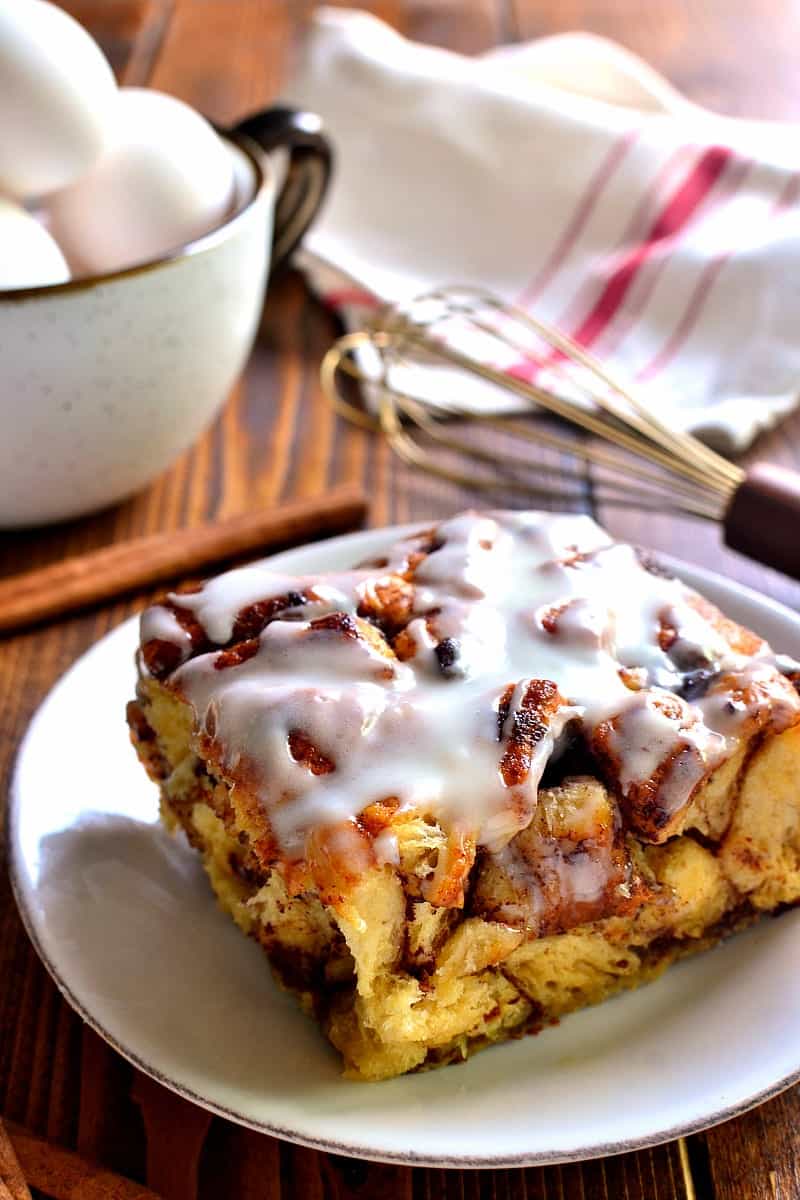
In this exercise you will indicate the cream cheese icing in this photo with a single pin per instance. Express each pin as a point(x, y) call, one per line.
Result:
point(458, 723)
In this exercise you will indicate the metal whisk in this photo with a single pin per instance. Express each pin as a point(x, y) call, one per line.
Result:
point(424, 368)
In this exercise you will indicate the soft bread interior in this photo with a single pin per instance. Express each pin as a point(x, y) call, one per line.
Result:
point(400, 983)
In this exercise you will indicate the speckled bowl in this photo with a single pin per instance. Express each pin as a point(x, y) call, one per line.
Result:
point(105, 380)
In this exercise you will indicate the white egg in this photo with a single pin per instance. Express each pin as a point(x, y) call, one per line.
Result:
point(57, 96)
point(166, 180)
point(29, 256)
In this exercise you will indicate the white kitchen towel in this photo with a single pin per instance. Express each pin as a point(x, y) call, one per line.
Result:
point(567, 176)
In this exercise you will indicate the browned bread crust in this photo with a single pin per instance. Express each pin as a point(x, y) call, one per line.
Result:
point(631, 830)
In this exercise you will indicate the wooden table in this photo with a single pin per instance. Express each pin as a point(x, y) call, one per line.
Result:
point(277, 438)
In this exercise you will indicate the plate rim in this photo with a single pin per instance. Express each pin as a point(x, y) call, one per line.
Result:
point(350, 1149)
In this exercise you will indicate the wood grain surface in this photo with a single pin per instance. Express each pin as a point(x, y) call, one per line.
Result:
point(276, 439)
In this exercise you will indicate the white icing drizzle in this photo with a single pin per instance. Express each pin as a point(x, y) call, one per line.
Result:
point(160, 624)
point(386, 848)
point(514, 597)
point(215, 606)
point(646, 737)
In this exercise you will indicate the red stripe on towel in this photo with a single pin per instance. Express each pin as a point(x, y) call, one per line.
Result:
point(634, 311)
point(651, 201)
point(789, 195)
point(674, 216)
point(583, 210)
point(341, 297)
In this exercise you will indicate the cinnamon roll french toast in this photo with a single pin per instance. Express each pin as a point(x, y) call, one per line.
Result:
point(501, 772)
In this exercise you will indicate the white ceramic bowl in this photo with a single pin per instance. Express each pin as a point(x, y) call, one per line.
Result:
point(105, 380)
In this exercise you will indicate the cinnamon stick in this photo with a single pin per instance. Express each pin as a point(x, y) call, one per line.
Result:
point(65, 1175)
point(12, 1181)
point(105, 574)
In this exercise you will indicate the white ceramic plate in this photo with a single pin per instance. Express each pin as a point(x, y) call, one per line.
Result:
point(121, 914)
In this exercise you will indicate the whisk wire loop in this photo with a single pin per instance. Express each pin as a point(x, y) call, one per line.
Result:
point(649, 465)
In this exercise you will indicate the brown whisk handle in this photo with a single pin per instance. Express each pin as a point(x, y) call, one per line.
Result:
point(763, 518)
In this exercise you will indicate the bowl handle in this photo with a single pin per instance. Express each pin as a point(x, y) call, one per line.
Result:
point(307, 174)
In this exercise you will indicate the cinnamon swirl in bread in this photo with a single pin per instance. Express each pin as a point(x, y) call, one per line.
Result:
point(500, 773)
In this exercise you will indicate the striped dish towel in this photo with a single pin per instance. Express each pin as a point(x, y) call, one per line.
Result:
point(567, 176)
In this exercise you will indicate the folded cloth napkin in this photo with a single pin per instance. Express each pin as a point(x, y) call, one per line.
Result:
point(567, 176)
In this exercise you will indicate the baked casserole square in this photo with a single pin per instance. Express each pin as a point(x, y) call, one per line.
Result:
point(503, 771)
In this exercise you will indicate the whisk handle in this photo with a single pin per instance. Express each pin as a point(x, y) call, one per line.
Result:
point(763, 518)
